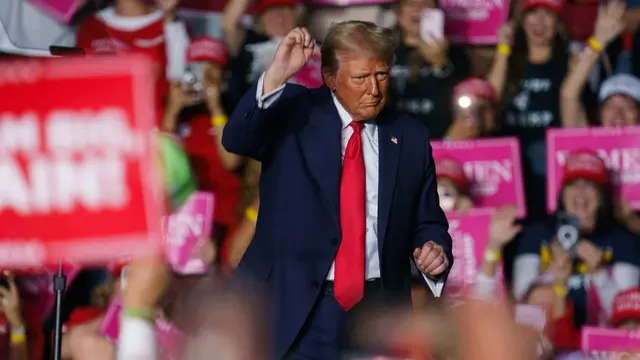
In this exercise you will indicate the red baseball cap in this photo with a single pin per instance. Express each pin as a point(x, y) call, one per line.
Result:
point(475, 87)
point(264, 5)
point(451, 169)
point(626, 306)
point(207, 49)
point(554, 5)
point(585, 164)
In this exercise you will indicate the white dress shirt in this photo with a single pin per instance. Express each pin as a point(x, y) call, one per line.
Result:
point(370, 150)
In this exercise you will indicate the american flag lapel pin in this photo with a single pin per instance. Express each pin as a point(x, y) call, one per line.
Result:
point(394, 140)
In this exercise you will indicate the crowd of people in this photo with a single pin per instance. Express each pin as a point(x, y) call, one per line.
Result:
point(539, 78)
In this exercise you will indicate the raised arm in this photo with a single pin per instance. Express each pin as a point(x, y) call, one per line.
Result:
point(498, 74)
point(232, 30)
point(608, 26)
point(253, 124)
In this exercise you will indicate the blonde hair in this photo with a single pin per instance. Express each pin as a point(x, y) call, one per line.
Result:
point(357, 36)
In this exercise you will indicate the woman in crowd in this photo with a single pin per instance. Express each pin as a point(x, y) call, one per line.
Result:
point(136, 26)
point(198, 115)
point(619, 95)
point(425, 72)
point(453, 187)
point(274, 20)
point(605, 257)
point(474, 110)
point(21, 335)
point(528, 69)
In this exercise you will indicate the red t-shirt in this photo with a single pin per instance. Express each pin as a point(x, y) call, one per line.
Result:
point(200, 145)
point(109, 33)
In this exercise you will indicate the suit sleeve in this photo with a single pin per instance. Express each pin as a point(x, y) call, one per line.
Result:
point(431, 222)
point(254, 124)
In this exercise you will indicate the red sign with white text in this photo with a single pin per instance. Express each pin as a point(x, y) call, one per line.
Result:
point(76, 161)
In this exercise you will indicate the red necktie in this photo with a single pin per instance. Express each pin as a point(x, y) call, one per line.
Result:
point(350, 260)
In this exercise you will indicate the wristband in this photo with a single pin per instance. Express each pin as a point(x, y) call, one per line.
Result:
point(219, 120)
point(18, 338)
point(595, 44)
point(142, 314)
point(504, 49)
point(251, 214)
point(491, 256)
point(559, 290)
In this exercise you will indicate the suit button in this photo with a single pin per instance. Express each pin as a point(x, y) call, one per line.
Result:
point(316, 285)
point(334, 241)
point(246, 115)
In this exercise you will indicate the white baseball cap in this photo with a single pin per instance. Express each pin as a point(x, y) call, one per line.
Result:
point(623, 84)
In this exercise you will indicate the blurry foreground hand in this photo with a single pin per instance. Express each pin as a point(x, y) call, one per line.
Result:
point(147, 280)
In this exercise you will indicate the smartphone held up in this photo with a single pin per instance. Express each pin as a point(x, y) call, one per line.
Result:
point(432, 25)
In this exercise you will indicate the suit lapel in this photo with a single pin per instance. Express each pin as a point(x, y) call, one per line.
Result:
point(389, 143)
point(320, 141)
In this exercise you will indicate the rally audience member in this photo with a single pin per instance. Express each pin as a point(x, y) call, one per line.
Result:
point(625, 313)
point(619, 101)
point(528, 69)
point(584, 213)
point(21, 335)
point(135, 26)
point(453, 187)
point(241, 237)
point(425, 72)
point(474, 110)
point(198, 115)
point(274, 20)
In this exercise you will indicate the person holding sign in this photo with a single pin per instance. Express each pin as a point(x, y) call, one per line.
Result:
point(585, 229)
point(340, 216)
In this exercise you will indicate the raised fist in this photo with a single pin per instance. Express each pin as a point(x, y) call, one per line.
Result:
point(293, 53)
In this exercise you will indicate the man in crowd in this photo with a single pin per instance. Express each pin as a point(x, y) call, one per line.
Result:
point(348, 191)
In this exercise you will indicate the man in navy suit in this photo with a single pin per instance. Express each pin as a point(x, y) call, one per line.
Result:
point(347, 192)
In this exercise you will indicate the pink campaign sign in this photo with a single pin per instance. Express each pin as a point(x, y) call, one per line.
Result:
point(185, 229)
point(61, 10)
point(610, 344)
point(493, 169)
point(474, 22)
point(618, 147)
point(310, 75)
point(469, 233)
point(346, 2)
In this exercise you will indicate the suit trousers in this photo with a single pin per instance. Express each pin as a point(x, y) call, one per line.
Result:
point(328, 332)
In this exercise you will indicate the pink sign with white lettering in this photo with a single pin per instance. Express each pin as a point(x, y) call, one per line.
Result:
point(184, 230)
point(469, 234)
point(493, 170)
point(474, 21)
point(618, 147)
point(610, 344)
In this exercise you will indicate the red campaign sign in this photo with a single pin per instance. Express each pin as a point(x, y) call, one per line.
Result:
point(79, 181)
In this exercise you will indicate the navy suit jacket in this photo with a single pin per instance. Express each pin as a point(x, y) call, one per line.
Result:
point(298, 141)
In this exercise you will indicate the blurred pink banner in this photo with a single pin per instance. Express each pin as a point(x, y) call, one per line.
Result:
point(610, 344)
point(493, 169)
point(470, 233)
point(618, 147)
point(37, 289)
point(474, 22)
point(310, 75)
point(61, 10)
point(185, 229)
point(346, 2)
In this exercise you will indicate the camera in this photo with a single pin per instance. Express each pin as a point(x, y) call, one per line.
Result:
point(568, 233)
point(192, 81)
